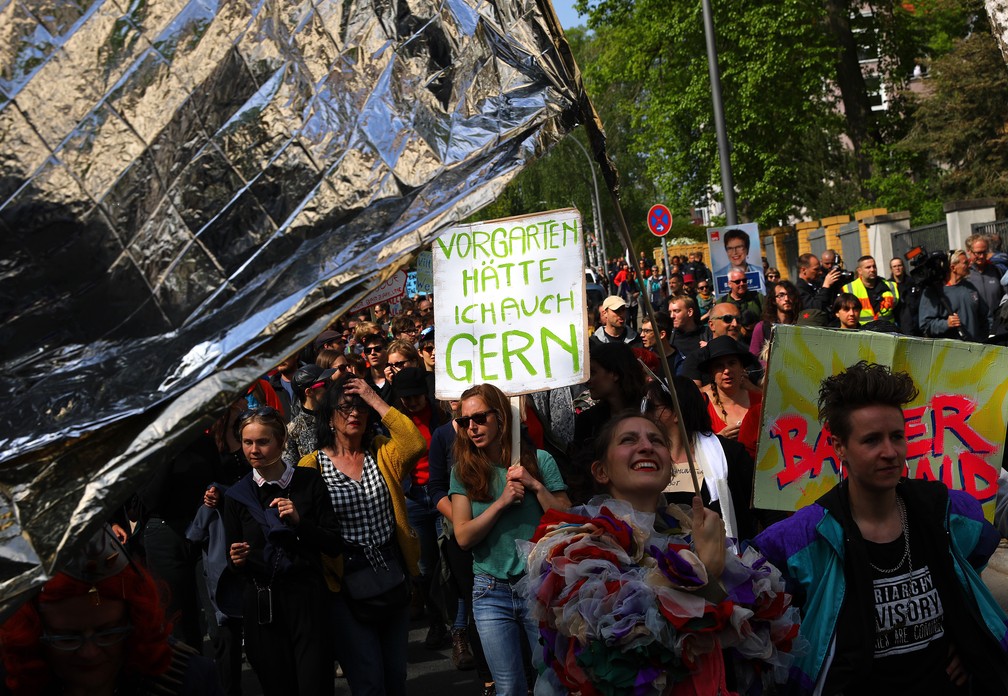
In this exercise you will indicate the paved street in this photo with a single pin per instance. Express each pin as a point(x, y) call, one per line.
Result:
point(430, 672)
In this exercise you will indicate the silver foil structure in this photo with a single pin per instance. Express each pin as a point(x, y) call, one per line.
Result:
point(189, 190)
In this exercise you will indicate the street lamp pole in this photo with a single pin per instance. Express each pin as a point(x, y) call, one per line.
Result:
point(599, 233)
point(724, 153)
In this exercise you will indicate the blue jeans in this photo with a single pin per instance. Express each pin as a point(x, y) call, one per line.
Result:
point(426, 520)
point(503, 622)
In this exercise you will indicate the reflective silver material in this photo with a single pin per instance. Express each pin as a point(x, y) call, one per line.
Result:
point(191, 189)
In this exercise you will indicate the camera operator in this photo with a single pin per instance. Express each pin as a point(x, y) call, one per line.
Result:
point(816, 293)
point(955, 309)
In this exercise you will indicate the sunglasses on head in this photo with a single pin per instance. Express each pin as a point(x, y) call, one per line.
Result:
point(262, 412)
point(479, 418)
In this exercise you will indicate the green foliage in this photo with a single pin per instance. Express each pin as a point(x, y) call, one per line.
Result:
point(960, 126)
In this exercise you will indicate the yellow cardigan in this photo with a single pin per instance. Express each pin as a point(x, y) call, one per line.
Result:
point(396, 457)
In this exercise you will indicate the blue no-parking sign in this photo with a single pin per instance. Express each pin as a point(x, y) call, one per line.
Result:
point(659, 220)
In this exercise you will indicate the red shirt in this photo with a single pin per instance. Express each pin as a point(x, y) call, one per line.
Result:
point(421, 419)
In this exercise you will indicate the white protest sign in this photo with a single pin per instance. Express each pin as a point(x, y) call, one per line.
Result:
point(510, 304)
point(391, 289)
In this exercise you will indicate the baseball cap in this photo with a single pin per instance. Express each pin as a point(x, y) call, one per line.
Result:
point(613, 302)
point(309, 376)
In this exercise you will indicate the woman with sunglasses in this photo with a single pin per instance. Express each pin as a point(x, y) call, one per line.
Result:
point(364, 473)
point(494, 503)
point(98, 628)
point(277, 520)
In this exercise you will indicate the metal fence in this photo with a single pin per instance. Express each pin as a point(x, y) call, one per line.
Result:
point(932, 237)
point(999, 227)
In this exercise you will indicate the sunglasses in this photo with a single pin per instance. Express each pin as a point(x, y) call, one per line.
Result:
point(262, 412)
point(736, 282)
point(399, 364)
point(479, 418)
point(348, 407)
point(374, 349)
point(727, 318)
point(703, 287)
point(427, 349)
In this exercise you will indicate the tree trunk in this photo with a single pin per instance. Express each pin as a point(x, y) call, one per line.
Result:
point(851, 83)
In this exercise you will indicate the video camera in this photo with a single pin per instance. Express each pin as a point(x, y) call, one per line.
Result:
point(845, 275)
point(927, 269)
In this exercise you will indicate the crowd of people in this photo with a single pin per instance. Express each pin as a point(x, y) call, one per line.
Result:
point(338, 500)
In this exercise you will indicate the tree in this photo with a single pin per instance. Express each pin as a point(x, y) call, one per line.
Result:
point(804, 133)
point(960, 125)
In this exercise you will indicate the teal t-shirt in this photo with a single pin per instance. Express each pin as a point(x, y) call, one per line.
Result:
point(497, 555)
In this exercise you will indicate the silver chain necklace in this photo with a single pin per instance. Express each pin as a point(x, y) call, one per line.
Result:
point(906, 544)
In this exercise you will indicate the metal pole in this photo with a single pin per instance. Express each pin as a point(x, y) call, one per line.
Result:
point(724, 153)
point(599, 230)
point(668, 268)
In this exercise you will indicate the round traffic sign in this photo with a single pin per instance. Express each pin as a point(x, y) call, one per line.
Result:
point(659, 220)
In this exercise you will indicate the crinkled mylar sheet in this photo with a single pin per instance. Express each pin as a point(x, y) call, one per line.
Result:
point(191, 190)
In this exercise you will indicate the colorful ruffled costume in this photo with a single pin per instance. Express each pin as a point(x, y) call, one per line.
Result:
point(622, 605)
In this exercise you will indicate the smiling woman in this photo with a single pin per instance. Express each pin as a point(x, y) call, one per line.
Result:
point(637, 564)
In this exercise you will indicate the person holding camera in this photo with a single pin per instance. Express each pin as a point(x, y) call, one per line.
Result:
point(816, 288)
point(956, 309)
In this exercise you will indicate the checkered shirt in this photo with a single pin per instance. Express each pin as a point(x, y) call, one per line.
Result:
point(364, 507)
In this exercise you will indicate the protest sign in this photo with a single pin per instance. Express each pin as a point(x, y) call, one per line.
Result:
point(510, 304)
point(736, 247)
point(424, 273)
point(955, 428)
point(392, 288)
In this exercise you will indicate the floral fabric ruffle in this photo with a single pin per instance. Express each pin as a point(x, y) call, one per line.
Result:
point(622, 608)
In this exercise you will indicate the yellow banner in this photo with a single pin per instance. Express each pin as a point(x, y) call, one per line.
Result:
point(955, 429)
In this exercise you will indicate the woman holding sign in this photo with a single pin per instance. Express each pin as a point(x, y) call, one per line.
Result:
point(889, 567)
point(493, 504)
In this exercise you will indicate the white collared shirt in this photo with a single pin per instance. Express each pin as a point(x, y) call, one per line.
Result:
point(283, 481)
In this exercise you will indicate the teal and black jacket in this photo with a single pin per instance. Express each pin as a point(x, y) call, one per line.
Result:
point(821, 551)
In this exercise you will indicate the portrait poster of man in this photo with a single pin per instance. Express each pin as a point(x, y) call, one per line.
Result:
point(736, 247)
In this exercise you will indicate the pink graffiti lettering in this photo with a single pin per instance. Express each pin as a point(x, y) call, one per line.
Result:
point(790, 432)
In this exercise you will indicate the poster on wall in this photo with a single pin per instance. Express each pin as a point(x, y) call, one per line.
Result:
point(510, 304)
point(736, 248)
point(955, 429)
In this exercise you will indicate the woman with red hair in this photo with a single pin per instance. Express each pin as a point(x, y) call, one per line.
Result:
point(97, 628)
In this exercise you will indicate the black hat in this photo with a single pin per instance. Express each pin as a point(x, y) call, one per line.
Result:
point(410, 381)
point(326, 336)
point(426, 336)
point(721, 347)
point(307, 376)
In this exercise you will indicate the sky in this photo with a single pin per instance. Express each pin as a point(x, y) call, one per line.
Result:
point(568, 16)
